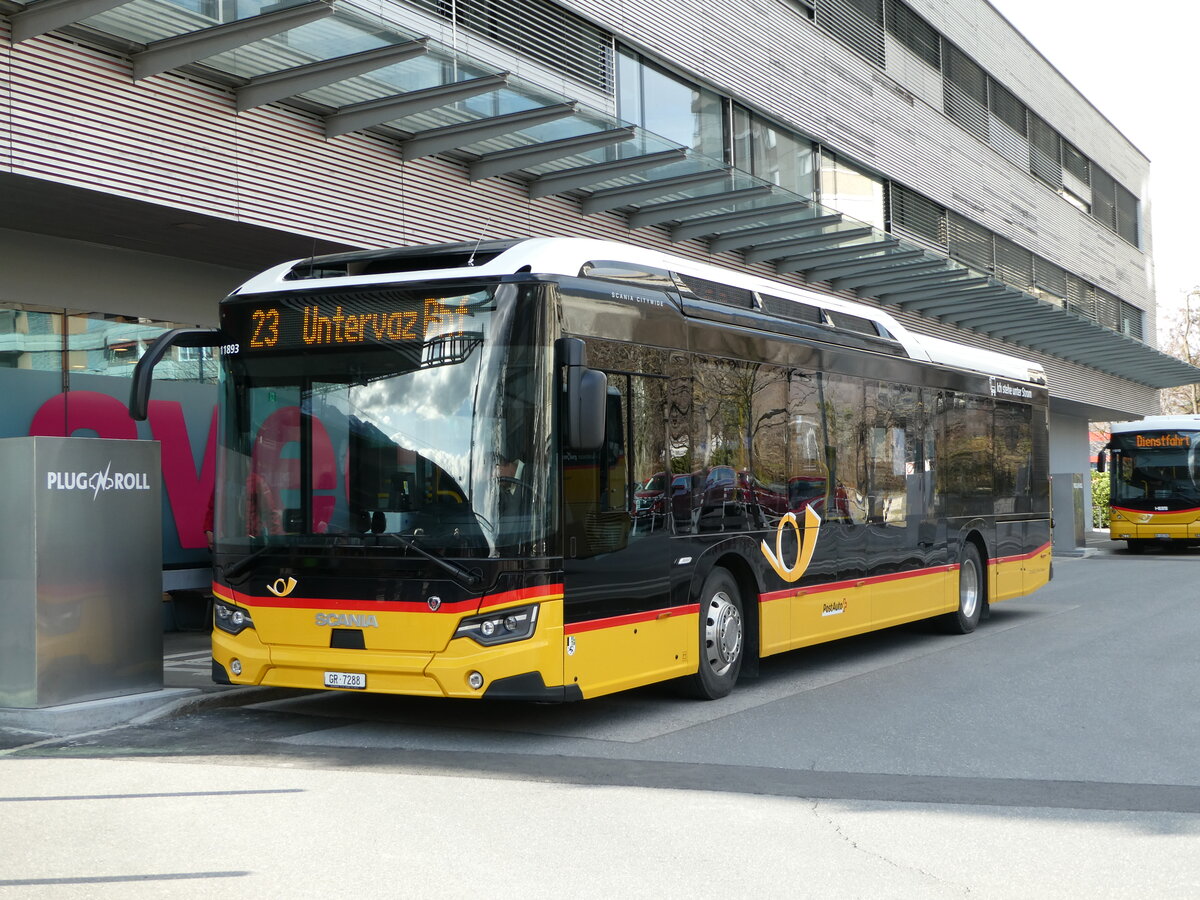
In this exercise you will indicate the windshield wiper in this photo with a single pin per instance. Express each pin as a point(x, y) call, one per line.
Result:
point(470, 578)
point(233, 571)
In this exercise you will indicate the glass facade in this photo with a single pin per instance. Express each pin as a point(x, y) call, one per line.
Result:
point(852, 191)
point(77, 343)
point(772, 153)
point(670, 107)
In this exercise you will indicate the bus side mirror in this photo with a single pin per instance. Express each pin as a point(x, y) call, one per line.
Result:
point(143, 372)
point(586, 397)
point(1101, 460)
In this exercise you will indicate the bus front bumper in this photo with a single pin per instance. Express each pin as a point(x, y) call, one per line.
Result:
point(530, 669)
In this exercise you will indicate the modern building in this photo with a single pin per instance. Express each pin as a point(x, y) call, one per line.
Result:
point(917, 154)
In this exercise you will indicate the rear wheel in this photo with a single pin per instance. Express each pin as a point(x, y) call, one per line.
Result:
point(722, 637)
point(965, 619)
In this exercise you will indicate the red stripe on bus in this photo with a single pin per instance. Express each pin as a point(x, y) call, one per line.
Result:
point(1158, 512)
point(631, 618)
point(1020, 557)
point(788, 593)
point(542, 593)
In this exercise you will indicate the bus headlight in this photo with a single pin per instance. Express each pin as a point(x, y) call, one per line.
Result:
point(500, 627)
point(230, 618)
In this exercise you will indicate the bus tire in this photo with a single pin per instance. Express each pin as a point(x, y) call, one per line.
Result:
point(722, 637)
point(965, 619)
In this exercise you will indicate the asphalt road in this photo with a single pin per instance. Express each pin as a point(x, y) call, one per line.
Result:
point(1053, 753)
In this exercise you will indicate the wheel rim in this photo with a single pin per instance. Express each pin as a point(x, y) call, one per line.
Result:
point(722, 633)
point(968, 587)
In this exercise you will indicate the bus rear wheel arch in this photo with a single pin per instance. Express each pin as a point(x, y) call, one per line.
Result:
point(723, 636)
point(972, 592)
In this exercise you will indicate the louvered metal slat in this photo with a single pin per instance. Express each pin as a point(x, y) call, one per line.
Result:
point(1075, 163)
point(1131, 320)
point(1007, 142)
point(1043, 152)
point(966, 110)
point(913, 32)
point(846, 21)
point(1127, 215)
point(1107, 309)
point(1004, 104)
point(1014, 264)
point(971, 243)
point(538, 28)
point(966, 74)
point(916, 215)
point(1104, 197)
point(1050, 277)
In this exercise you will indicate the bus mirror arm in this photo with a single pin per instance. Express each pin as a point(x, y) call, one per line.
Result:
point(143, 373)
point(586, 397)
point(1101, 460)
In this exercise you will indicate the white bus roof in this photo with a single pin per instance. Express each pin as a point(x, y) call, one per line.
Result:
point(567, 256)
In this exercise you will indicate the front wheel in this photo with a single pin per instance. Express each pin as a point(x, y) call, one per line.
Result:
point(722, 637)
point(965, 619)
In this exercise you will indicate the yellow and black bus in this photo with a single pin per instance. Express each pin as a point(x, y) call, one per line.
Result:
point(1154, 484)
point(551, 469)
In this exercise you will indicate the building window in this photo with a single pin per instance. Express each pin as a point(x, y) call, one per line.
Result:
point(966, 94)
point(1131, 320)
point(972, 244)
point(105, 344)
point(670, 107)
point(772, 153)
point(1044, 161)
point(1127, 215)
point(916, 217)
point(1104, 198)
point(1014, 264)
point(1108, 309)
point(914, 32)
point(856, 23)
point(1005, 106)
point(30, 339)
point(539, 29)
point(1050, 282)
point(851, 191)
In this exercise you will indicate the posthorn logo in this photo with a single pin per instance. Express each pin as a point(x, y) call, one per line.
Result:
point(98, 482)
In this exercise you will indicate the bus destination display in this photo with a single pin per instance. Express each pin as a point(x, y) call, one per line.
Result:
point(323, 323)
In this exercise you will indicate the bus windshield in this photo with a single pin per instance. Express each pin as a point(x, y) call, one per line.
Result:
point(1156, 469)
point(387, 420)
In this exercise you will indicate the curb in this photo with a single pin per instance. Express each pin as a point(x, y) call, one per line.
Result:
point(134, 709)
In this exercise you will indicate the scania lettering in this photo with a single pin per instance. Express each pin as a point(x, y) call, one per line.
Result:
point(551, 469)
point(346, 621)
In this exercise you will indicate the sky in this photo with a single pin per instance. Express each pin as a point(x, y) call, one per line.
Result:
point(1136, 64)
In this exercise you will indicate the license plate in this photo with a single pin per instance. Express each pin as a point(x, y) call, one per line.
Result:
point(1163, 537)
point(346, 680)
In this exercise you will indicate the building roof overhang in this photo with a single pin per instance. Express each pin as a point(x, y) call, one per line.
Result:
point(357, 71)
